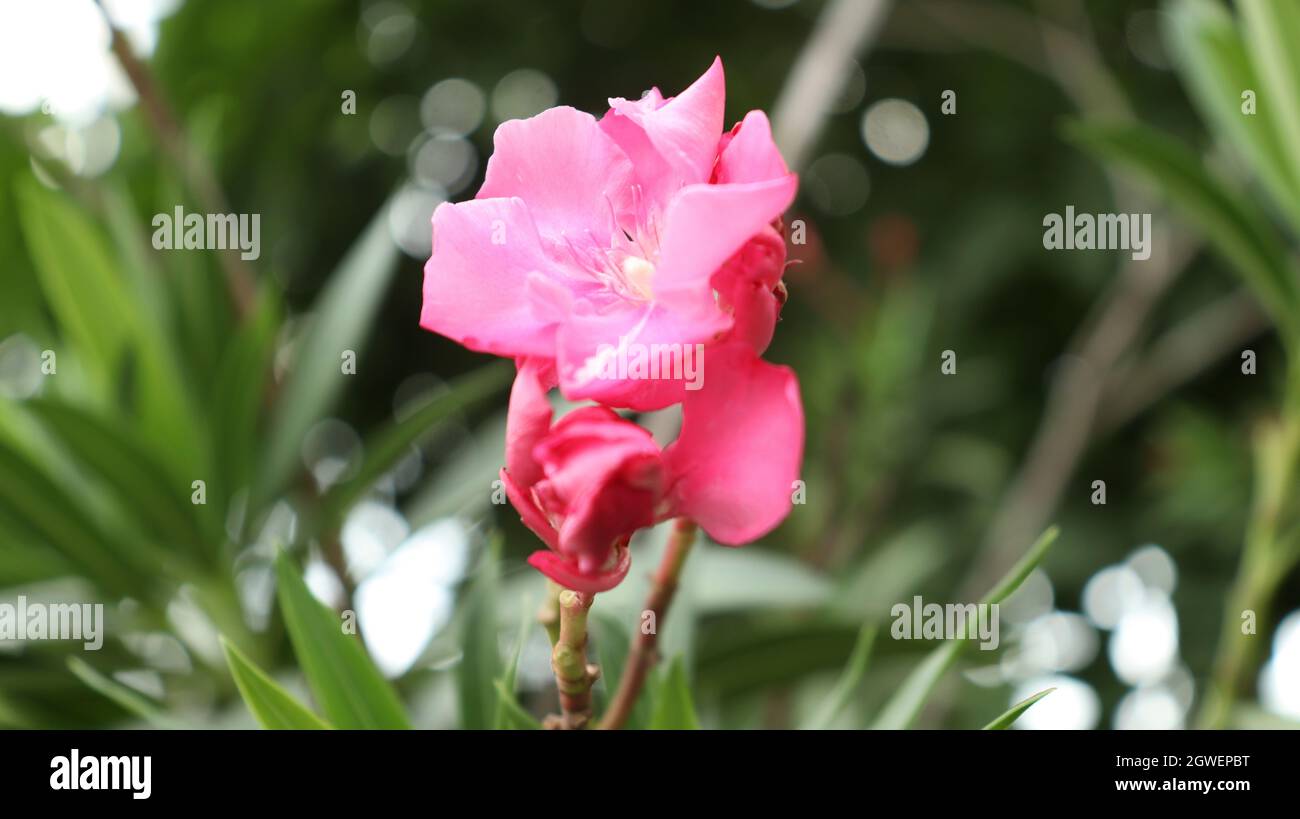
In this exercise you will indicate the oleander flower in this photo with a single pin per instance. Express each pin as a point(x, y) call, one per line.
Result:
point(588, 482)
point(647, 227)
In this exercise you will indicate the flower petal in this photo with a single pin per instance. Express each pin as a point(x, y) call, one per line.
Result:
point(476, 287)
point(735, 462)
point(533, 517)
point(749, 153)
point(565, 571)
point(528, 418)
point(705, 226)
point(565, 167)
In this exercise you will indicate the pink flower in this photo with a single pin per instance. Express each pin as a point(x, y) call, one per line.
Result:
point(587, 483)
point(590, 236)
point(648, 228)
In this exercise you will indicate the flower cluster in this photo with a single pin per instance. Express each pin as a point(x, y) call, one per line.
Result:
point(648, 229)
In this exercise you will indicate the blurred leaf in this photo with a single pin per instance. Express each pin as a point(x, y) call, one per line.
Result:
point(674, 708)
point(1007, 719)
point(239, 392)
point(509, 714)
point(274, 708)
point(340, 322)
point(1215, 62)
point(1232, 223)
point(347, 685)
point(39, 511)
point(480, 661)
point(903, 707)
point(725, 580)
point(1272, 31)
point(112, 453)
point(126, 697)
point(97, 314)
point(849, 680)
point(612, 642)
point(384, 449)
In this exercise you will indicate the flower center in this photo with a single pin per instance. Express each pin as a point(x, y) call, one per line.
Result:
point(638, 273)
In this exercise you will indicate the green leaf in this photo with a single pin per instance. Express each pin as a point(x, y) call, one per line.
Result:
point(509, 714)
point(239, 391)
point(674, 708)
point(849, 680)
point(1217, 67)
point(1005, 721)
point(126, 697)
point(1272, 31)
point(37, 510)
point(113, 453)
point(1236, 227)
point(274, 708)
point(610, 650)
point(387, 447)
point(345, 682)
point(903, 707)
point(341, 321)
point(107, 328)
point(480, 663)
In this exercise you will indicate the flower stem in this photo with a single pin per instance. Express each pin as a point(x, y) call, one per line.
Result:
point(644, 652)
point(573, 676)
point(549, 612)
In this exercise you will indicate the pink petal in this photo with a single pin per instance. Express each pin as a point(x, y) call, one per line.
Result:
point(596, 351)
point(565, 167)
point(533, 517)
point(476, 282)
point(745, 287)
point(528, 418)
point(705, 225)
point(737, 457)
point(750, 155)
point(566, 572)
point(675, 142)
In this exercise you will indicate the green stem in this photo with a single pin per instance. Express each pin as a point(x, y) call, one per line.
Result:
point(573, 676)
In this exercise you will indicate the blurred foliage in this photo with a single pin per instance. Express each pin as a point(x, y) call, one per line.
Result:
point(161, 382)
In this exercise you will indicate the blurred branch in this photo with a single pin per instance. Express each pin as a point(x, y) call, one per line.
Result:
point(1178, 356)
point(197, 173)
point(644, 653)
point(843, 29)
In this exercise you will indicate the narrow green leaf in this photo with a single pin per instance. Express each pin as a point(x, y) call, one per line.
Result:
point(1272, 31)
point(480, 663)
point(42, 512)
point(389, 445)
point(610, 650)
point(849, 680)
point(1236, 227)
point(1214, 61)
point(674, 708)
point(274, 708)
point(340, 322)
point(128, 698)
point(344, 680)
point(509, 714)
point(106, 326)
point(1007, 719)
point(903, 707)
point(114, 454)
